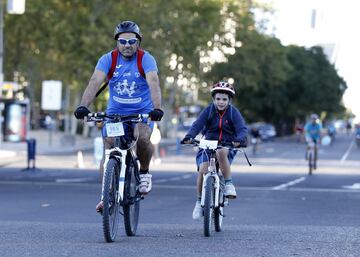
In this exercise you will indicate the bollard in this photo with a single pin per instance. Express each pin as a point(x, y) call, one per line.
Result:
point(31, 153)
point(80, 160)
point(178, 146)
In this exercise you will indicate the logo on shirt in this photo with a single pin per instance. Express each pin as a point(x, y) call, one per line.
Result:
point(119, 66)
point(124, 88)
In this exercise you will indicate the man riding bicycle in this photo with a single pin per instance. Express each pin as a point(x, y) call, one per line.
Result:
point(223, 122)
point(313, 131)
point(130, 93)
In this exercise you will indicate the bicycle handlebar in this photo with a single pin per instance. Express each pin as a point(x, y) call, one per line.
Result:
point(102, 116)
point(196, 142)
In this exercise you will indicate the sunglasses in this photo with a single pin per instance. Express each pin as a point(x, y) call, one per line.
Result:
point(130, 41)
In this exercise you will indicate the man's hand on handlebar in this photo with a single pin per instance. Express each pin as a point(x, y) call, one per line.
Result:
point(156, 114)
point(81, 112)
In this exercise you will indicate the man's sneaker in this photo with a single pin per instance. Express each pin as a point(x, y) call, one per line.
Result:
point(145, 183)
point(230, 191)
point(99, 207)
point(198, 211)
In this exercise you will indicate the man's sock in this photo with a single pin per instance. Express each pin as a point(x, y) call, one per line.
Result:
point(144, 171)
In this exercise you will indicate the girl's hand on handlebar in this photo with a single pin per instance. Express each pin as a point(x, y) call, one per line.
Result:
point(239, 144)
point(236, 144)
point(186, 140)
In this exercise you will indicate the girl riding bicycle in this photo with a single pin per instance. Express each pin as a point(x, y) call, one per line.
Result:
point(223, 122)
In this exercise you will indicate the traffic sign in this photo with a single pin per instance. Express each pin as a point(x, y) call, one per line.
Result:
point(51, 95)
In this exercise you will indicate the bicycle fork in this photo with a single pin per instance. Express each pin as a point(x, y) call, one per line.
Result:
point(120, 155)
point(216, 187)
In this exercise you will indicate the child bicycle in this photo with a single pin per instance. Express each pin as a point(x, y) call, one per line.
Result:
point(121, 178)
point(213, 199)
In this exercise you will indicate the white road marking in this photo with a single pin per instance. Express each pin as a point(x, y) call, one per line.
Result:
point(175, 178)
point(187, 176)
point(160, 180)
point(291, 183)
point(355, 186)
point(347, 152)
point(72, 180)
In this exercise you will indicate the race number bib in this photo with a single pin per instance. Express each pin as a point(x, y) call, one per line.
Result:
point(115, 129)
point(208, 144)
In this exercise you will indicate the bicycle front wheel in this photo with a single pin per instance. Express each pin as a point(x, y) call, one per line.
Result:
point(208, 205)
point(218, 218)
point(310, 162)
point(111, 207)
point(219, 211)
point(131, 205)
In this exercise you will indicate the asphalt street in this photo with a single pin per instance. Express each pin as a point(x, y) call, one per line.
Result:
point(280, 210)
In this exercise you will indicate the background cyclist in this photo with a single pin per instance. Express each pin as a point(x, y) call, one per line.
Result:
point(130, 93)
point(313, 132)
point(223, 122)
point(255, 137)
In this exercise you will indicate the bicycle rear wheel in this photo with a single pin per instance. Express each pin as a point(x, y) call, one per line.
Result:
point(208, 206)
point(131, 204)
point(111, 207)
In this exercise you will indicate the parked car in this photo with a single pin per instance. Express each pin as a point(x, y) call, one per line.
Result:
point(267, 131)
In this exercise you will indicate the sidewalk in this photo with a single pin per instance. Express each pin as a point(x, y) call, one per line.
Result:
point(63, 152)
point(49, 144)
point(54, 148)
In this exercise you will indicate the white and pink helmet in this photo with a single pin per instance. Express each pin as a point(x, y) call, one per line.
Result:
point(222, 87)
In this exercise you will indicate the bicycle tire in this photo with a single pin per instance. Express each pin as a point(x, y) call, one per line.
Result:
point(131, 205)
point(310, 162)
point(219, 211)
point(110, 213)
point(218, 218)
point(315, 159)
point(208, 206)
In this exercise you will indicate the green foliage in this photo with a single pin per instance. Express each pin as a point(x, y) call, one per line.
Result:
point(63, 39)
point(313, 85)
point(259, 68)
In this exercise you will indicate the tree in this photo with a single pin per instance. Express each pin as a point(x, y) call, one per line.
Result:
point(259, 69)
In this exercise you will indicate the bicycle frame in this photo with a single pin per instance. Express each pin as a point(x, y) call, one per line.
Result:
point(117, 152)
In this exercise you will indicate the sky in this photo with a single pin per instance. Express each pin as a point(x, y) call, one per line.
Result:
point(337, 22)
